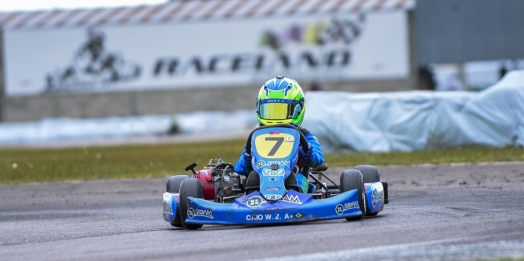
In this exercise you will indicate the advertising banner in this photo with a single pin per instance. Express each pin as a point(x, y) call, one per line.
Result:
point(208, 54)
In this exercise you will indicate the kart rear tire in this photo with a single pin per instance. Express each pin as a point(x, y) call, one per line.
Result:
point(371, 175)
point(252, 183)
point(190, 187)
point(352, 179)
point(173, 186)
point(369, 172)
point(291, 183)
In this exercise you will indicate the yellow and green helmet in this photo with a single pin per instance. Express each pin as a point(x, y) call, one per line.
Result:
point(281, 101)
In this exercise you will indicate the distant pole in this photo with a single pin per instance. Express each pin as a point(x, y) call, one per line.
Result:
point(462, 75)
point(2, 73)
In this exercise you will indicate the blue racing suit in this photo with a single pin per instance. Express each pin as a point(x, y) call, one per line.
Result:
point(313, 157)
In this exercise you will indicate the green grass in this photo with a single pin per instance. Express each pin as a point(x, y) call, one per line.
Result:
point(504, 259)
point(19, 165)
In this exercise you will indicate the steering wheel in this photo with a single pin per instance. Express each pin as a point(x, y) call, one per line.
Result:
point(303, 141)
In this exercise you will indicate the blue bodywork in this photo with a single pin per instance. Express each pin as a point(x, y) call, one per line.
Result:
point(275, 154)
point(294, 207)
point(272, 168)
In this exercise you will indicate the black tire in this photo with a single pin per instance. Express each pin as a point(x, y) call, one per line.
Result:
point(173, 186)
point(190, 187)
point(371, 175)
point(369, 172)
point(176, 222)
point(352, 179)
point(252, 183)
point(292, 184)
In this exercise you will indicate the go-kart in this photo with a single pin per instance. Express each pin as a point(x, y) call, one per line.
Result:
point(270, 194)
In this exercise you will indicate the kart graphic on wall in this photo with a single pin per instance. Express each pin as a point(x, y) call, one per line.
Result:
point(92, 67)
point(218, 195)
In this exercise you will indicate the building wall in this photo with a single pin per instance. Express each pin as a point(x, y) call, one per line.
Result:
point(451, 31)
point(2, 81)
point(172, 101)
point(108, 104)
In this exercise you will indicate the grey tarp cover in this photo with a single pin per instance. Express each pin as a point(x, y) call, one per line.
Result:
point(418, 120)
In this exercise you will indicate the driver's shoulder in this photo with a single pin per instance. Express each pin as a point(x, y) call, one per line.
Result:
point(304, 131)
point(309, 136)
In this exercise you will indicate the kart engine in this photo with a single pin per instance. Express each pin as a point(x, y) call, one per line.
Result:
point(219, 181)
point(227, 183)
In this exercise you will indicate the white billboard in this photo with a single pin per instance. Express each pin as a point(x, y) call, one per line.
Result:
point(206, 54)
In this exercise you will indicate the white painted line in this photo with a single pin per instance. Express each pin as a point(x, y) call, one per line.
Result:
point(451, 249)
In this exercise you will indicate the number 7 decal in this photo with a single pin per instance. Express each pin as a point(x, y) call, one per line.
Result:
point(279, 141)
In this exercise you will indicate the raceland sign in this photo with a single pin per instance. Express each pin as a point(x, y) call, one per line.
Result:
point(261, 62)
point(206, 54)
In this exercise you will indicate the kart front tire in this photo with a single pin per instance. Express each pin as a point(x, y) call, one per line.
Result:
point(173, 186)
point(190, 187)
point(352, 179)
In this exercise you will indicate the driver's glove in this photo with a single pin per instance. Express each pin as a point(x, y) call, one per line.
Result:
point(308, 155)
point(247, 159)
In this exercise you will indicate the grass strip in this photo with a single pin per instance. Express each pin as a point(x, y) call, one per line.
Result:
point(21, 165)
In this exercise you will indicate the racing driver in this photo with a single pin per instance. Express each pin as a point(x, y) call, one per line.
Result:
point(281, 101)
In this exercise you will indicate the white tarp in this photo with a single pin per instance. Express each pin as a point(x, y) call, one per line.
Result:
point(418, 120)
point(343, 122)
point(197, 125)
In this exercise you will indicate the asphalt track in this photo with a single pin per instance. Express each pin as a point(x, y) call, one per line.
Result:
point(436, 212)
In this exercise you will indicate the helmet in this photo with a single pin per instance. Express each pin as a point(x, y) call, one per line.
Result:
point(281, 101)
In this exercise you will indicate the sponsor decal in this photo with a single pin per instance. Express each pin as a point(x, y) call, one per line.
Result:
point(92, 66)
point(273, 172)
point(332, 37)
point(295, 199)
point(168, 203)
point(262, 163)
point(341, 208)
point(310, 48)
point(272, 197)
point(255, 201)
point(376, 195)
point(335, 58)
point(274, 217)
point(374, 198)
point(168, 207)
point(204, 213)
point(292, 199)
point(289, 138)
point(191, 213)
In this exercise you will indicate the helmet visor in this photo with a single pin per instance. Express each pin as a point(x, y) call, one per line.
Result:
point(279, 109)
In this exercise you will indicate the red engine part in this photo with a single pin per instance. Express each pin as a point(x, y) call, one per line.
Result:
point(205, 176)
